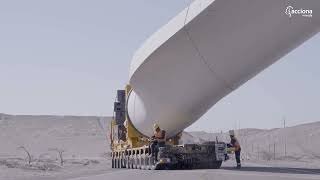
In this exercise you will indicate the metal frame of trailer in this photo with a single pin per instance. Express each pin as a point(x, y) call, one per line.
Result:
point(208, 155)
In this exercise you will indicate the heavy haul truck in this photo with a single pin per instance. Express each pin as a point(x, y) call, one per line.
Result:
point(131, 149)
point(203, 54)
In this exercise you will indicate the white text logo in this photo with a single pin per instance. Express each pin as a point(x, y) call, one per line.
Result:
point(290, 11)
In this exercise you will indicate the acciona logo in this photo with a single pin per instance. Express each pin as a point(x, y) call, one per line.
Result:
point(290, 11)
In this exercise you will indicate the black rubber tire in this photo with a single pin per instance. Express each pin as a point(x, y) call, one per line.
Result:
point(147, 165)
point(118, 163)
point(143, 162)
point(151, 163)
point(128, 162)
point(134, 162)
point(121, 162)
point(124, 162)
point(139, 164)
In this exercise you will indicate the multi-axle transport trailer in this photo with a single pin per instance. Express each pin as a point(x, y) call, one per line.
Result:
point(131, 149)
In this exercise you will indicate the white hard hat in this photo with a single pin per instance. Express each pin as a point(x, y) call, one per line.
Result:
point(231, 133)
point(156, 126)
point(125, 123)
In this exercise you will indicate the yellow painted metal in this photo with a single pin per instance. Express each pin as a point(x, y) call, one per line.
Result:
point(134, 139)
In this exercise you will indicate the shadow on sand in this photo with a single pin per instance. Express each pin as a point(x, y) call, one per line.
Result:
point(276, 170)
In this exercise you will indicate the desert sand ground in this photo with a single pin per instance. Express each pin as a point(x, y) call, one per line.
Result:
point(86, 151)
point(83, 140)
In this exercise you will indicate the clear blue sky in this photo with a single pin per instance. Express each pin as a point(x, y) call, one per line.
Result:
point(68, 57)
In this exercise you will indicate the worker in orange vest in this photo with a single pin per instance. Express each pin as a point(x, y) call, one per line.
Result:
point(236, 145)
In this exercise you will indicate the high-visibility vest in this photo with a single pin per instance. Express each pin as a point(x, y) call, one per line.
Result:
point(235, 143)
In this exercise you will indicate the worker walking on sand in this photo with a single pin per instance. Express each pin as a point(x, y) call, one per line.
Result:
point(236, 145)
point(158, 140)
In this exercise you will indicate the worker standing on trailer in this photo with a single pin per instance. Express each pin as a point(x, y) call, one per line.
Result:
point(158, 140)
point(236, 145)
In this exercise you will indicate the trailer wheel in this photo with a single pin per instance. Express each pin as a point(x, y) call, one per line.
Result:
point(134, 162)
point(117, 162)
point(128, 162)
point(147, 166)
point(129, 166)
point(143, 162)
point(124, 162)
point(121, 162)
point(140, 162)
point(137, 162)
point(151, 163)
point(146, 162)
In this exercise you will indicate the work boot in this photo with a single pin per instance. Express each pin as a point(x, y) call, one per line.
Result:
point(238, 166)
point(226, 157)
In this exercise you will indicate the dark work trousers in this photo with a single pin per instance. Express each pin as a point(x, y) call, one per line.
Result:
point(155, 148)
point(237, 154)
